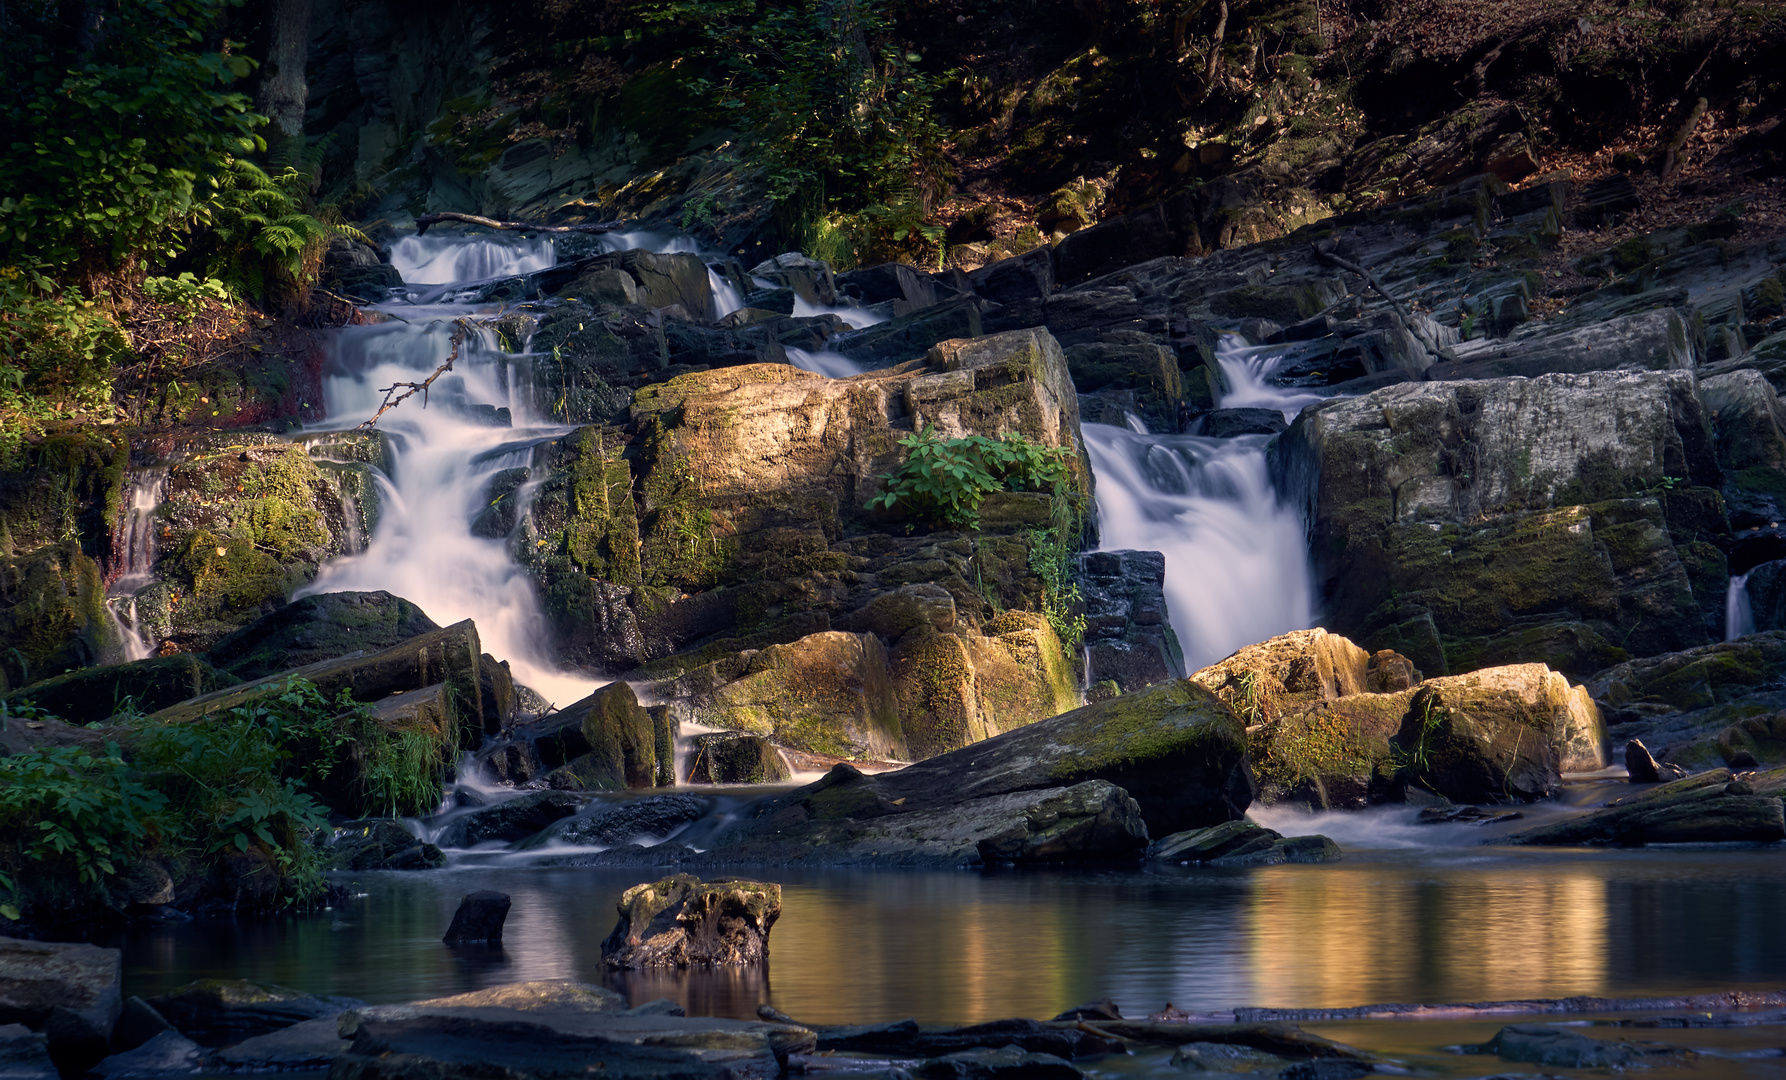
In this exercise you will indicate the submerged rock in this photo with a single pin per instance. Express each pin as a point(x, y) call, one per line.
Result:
point(653, 817)
point(1009, 1063)
point(167, 1054)
point(682, 922)
point(1545, 1044)
point(219, 1012)
point(479, 919)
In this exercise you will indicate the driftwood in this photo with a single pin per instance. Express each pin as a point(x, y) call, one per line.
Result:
point(392, 399)
point(422, 223)
point(1325, 251)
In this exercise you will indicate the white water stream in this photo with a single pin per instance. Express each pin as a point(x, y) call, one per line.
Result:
point(140, 549)
point(1739, 618)
point(1237, 568)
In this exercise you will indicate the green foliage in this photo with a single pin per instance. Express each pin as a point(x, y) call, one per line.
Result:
point(257, 234)
point(68, 809)
point(109, 141)
point(1413, 762)
point(947, 479)
point(832, 110)
point(1053, 555)
point(186, 295)
point(258, 778)
point(57, 353)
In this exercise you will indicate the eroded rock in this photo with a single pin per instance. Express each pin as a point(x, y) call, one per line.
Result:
point(682, 922)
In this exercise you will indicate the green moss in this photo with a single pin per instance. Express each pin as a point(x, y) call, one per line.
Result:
point(602, 535)
point(1131, 729)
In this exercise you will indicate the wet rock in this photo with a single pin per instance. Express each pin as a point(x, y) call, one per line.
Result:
point(545, 997)
point(167, 1054)
point(1242, 843)
point(1087, 822)
point(1102, 1009)
point(479, 919)
point(1223, 1058)
point(77, 1039)
point(1641, 768)
point(220, 1012)
point(811, 278)
point(621, 737)
point(92, 695)
point(1326, 1070)
point(904, 1038)
point(653, 817)
point(39, 977)
point(1128, 635)
point(1463, 815)
point(735, 758)
point(1020, 277)
point(681, 922)
point(25, 1054)
point(1705, 808)
point(1442, 513)
point(611, 287)
point(515, 819)
point(442, 1041)
point(1543, 1044)
point(1009, 1063)
point(908, 337)
point(312, 1044)
point(137, 1024)
point(671, 279)
point(1150, 371)
point(895, 282)
point(1228, 423)
point(1653, 340)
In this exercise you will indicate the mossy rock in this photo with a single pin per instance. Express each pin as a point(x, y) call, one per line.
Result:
point(622, 739)
point(317, 628)
point(735, 758)
point(94, 694)
point(52, 615)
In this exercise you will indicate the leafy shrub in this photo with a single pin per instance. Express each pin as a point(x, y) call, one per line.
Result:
point(74, 811)
point(947, 479)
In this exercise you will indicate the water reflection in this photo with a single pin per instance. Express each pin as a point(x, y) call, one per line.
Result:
point(1440, 925)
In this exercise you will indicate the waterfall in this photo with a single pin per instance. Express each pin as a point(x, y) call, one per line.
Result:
point(1237, 569)
point(831, 365)
point(448, 259)
point(137, 549)
point(444, 451)
point(1739, 619)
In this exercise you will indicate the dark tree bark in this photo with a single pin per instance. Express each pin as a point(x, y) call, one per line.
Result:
point(284, 91)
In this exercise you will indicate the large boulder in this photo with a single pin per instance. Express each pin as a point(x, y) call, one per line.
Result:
point(1331, 726)
point(316, 628)
point(90, 695)
point(1565, 519)
point(38, 978)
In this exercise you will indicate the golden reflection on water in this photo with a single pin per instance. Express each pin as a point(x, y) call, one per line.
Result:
point(1336, 936)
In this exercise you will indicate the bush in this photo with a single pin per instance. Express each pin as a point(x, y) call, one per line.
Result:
point(947, 479)
point(262, 777)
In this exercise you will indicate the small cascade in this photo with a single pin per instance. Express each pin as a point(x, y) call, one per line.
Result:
point(445, 450)
point(448, 259)
point(831, 365)
point(1739, 617)
point(1237, 568)
point(137, 548)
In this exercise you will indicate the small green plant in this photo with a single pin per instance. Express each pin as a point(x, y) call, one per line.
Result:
point(1414, 761)
point(186, 294)
point(948, 479)
point(1051, 557)
point(68, 809)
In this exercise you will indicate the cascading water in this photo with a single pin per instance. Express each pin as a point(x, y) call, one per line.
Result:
point(832, 365)
point(1237, 567)
point(138, 551)
point(1739, 618)
point(444, 451)
point(446, 259)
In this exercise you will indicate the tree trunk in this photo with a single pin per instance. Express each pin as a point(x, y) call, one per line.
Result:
point(284, 92)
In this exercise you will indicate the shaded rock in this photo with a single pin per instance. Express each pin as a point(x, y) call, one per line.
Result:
point(381, 844)
point(1641, 768)
point(1020, 277)
point(25, 1054)
point(479, 919)
point(312, 1044)
point(1228, 423)
point(137, 1024)
point(438, 1041)
point(683, 922)
point(515, 819)
point(667, 279)
point(905, 1039)
point(811, 278)
point(77, 1040)
point(652, 817)
point(220, 1012)
point(321, 627)
point(1102, 1009)
point(1087, 822)
point(1463, 815)
point(1009, 1063)
point(907, 337)
point(1544, 1044)
point(891, 614)
point(1224, 1058)
point(1242, 843)
point(888, 281)
point(609, 287)
point(1128, 634)
point(92, 695)
point(735, 758)
point(546, 997)
point(1704, 808)
point(621, 737)
point(167, 1054)
point(1326, 1070)
point(39, 977)
point(1652, 340)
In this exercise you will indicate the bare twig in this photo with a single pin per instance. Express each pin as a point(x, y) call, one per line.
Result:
point(392, 399)
point(422, 223)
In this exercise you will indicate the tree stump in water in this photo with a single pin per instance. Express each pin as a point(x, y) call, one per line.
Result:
point(682, 922)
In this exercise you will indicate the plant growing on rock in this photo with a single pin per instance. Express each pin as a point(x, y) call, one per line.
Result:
point(948, 479)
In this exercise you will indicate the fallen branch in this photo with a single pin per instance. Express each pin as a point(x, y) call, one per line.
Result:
point(1325, 251)
point(422, 223)
point(390, 402)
